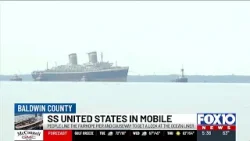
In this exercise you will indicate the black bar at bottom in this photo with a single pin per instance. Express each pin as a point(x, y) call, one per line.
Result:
point(156, 135)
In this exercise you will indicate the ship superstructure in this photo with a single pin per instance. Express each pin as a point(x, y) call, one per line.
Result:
point(90, 71)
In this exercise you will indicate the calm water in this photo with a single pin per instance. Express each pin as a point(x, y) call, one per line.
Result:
point(130, 98)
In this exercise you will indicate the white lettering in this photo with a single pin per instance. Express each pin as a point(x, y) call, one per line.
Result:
point(219, 119)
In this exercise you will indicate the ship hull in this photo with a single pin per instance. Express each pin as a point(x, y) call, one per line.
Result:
point(15, 79)
point(182, 80)
point(118, 75)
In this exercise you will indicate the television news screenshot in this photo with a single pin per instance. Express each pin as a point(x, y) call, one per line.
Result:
point(123, 70)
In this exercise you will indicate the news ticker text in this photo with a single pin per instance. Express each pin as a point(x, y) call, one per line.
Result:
point(118, 122)
point(138, 121)
point(79, 135)
point(156, 135)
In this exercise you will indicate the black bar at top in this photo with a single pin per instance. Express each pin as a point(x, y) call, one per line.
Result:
point(155, 135)
point(124, 0)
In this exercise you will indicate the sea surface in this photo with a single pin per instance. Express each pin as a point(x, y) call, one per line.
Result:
point(168, 98)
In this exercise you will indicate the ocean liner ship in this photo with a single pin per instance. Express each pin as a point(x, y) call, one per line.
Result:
point(28, 122)
point(91, 71)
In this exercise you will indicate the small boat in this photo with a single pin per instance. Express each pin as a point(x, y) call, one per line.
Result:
point(16, 78)
point(182, 78)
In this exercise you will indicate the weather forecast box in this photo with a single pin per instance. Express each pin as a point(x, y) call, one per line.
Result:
point(57, 135)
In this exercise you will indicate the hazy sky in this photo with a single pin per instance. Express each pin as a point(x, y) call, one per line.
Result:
point(149, 37)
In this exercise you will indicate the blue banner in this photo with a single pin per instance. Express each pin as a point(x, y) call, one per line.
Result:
point(33, 108)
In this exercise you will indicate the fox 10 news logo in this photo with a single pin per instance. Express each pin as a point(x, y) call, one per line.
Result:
point(216, 121)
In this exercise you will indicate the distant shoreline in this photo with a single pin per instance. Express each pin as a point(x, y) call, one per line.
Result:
point(166, 78)
point(6, 75)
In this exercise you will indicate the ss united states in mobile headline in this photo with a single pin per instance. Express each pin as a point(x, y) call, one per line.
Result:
point(91, 71)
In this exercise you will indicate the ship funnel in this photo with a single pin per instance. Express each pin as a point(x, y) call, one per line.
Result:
point(73, 59)
point(93, 57)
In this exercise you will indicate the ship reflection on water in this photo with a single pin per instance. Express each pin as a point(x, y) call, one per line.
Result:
point(29, 122)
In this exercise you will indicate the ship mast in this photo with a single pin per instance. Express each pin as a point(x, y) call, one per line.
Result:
point(101, 57)
point(47, 65)
point(182, 72)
